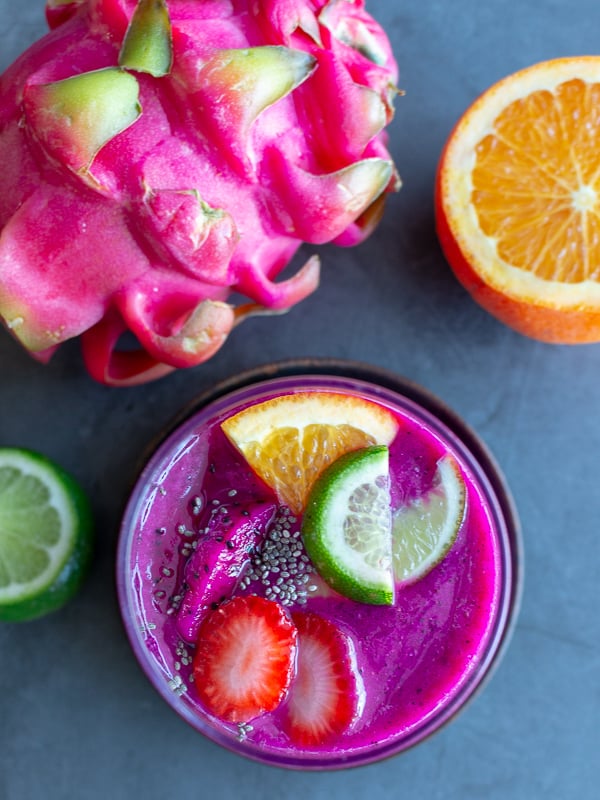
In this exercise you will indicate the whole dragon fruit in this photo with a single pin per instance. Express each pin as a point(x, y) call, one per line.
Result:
point(159, 155)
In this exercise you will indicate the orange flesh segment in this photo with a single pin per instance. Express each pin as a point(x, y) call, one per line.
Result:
point(290, 460)
point(536, 183)
point(289, 440)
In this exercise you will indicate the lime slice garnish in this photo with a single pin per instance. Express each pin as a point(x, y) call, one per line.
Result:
point(347, 526)
point(424, 531)
point(45, 535)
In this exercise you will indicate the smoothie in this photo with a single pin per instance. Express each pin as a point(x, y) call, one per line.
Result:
point(414, 660)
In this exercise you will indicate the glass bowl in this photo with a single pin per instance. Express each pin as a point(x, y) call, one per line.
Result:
point(152, 549)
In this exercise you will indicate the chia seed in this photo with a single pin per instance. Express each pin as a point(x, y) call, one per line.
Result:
point(176, 685)
point(243, 730)
point(150, 626)
point(280, 563)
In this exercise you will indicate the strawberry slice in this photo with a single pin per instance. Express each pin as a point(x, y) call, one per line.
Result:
point(327, 694)
point(245, 658)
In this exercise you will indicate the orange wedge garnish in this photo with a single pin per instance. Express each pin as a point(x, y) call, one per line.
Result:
point(289, 440)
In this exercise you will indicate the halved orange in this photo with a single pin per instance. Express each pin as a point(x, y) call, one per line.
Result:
point(518, 200)
point(289, 440)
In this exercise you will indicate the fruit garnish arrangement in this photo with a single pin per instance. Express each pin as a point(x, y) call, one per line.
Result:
point(160, 156)
point(331, 530)
point(163, 156)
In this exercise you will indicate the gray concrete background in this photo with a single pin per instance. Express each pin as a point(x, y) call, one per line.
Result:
point(78, 719)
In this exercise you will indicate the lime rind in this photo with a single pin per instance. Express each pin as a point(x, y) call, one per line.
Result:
point(346, 527)
point(424, 531)
point(45, 535)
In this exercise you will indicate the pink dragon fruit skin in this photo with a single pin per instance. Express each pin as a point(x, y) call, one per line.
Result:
point(223, 549)
point(139, 200)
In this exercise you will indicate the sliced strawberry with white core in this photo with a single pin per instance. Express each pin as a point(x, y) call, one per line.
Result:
point(245, 658)
point(327, 694)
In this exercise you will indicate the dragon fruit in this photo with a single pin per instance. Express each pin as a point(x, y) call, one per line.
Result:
point(160, 156)
point(222, 551)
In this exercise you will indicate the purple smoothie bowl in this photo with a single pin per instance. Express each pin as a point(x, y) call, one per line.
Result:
point(148, 564)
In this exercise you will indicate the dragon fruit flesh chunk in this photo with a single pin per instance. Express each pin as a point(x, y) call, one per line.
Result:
point(214, 567)
point(160, 155)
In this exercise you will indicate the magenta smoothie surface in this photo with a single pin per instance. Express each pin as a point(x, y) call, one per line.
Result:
point(419, 659)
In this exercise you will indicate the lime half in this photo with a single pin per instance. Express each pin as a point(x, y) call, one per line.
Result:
point(45, 535)
point(347, 526)
point(424, 531)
